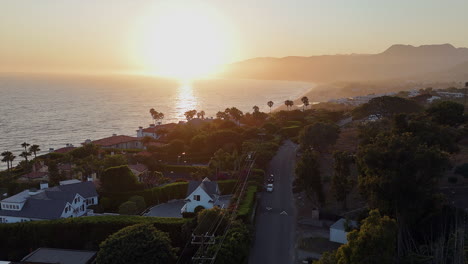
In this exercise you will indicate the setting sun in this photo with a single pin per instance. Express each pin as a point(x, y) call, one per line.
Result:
point(184, 42)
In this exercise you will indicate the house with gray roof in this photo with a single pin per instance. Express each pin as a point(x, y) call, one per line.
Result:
point(205, 194)
point(58, 255)
point(70, 199)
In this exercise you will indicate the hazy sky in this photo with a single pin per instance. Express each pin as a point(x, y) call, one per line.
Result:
point(106, 35)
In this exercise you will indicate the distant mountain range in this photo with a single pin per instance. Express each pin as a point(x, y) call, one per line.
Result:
point(399, 62)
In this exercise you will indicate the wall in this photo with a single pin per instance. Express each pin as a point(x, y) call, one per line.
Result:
point(338, 236)
point(204, 198)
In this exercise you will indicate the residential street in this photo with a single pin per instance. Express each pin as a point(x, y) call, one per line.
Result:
point(274, 240)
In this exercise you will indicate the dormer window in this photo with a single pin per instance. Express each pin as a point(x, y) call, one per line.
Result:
point(196, 197)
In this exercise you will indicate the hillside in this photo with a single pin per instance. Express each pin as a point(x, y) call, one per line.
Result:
point(397, 62)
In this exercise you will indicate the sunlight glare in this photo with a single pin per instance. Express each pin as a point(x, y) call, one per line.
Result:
point(185, 41)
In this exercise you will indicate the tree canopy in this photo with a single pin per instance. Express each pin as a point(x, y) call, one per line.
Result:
point(118, 179)
point(319, 136)
point(385, 106)
point(139, 244)
point(447, 113)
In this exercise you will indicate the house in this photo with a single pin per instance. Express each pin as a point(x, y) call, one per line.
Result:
point(70, 199)
point(155, 131)
point(119, 142)
point(66, 149)
point(205, 194)
point(62, 256)
point(139, 170)
point(338, 231)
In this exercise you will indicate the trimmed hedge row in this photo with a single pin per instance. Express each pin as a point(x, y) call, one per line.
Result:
point(161, 194)
point(85, 233)
point(247, 205)
point(184, 168)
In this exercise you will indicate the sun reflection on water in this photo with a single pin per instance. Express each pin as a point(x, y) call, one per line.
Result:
point(185, 100)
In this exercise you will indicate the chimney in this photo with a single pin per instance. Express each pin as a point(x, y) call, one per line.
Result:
point(140, 132)
point(88, 141)
point(114, 135)
point(90, 178)
point(51, 150)
point(44, 185)
point(152, 125)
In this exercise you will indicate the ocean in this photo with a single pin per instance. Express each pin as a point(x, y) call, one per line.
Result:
point(54, 110)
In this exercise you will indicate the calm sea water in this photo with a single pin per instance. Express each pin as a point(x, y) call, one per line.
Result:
point(52, 111)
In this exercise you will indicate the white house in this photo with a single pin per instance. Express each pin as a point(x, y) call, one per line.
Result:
point(155, 131)
point(205, 193)
point(70, 199)
point(338, 232)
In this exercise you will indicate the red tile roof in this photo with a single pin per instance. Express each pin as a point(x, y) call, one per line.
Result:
point(114, 140)
point(154, 129)
point(35, 175)
point(65, 149)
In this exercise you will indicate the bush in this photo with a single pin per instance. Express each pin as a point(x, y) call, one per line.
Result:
point(128, 208)
point(118, 179)
point(82, 233)
point(141, 243)
point(139, 201)
point(247, 204)
point(291, 131)
point(462, 170)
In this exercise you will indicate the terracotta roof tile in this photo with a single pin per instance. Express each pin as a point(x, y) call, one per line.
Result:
point(114, 140)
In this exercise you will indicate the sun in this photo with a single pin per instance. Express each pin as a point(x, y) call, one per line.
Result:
point(184, 41)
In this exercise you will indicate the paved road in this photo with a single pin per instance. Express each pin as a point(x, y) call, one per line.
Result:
point(275, 228)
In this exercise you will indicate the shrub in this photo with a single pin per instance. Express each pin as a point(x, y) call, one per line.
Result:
point(128, 208)
point(118, 179)
point(141, 243)
point(291, 131)
point(82, 233)
point(247, 204)
point(139, 201)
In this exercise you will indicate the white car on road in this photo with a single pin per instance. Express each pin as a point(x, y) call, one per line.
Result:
point(269, 187)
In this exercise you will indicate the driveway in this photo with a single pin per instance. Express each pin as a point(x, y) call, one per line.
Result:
point(169, 209)
point(274, 241)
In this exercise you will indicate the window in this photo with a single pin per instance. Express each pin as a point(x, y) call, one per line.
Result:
point(196, 197)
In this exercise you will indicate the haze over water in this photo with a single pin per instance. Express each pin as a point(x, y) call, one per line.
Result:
point(54, 110)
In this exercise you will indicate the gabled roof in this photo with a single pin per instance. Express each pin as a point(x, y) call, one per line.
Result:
point(211, 188)
point(138, 167)
point(49, 203)
point(114, 140)
point(64, 149)
point(340, 224)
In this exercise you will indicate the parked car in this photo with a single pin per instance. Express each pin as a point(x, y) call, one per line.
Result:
point(269, 187)
point(271, 178)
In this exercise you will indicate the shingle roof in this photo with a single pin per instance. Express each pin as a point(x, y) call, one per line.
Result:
point(211, 188)
point(114, 140)
point(63, 256)
point(340, 224)
point(49, 203)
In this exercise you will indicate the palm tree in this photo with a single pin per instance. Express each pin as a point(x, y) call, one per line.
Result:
point(202, 114)
point(33, 149)
point(305, 101)
point(25, 145)
point(288, 103)
point(270, 104)
point(256, 109)
point(25, 155)
point(6, 155)
point(156, 115)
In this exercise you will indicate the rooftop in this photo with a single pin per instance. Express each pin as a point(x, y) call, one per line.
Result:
point(64, 150)
point(114, 140)
point(340, 224)
point(211, 188)
point(62, 256)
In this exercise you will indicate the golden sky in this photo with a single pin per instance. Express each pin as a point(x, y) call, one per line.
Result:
point(190, 37)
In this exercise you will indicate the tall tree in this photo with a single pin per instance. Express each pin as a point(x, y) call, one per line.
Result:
point(8, 157)
point(141, 243)
point(342, 184)
point(319, 136)
point(34, 149)
point(234, 113)
point(256, 109)
point(288, 104)
point(25, 145)
point(190, 114)
point(308, 174)
point(202, 114)
point(447, 113)
point(25, 155)
point(270, 104)
point(374, 243)
point(305, 101)
point(156, 115)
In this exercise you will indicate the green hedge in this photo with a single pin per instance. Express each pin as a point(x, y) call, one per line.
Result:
point(85, 233)
point(162, 194)
point(247, 205)
point(291, 131)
